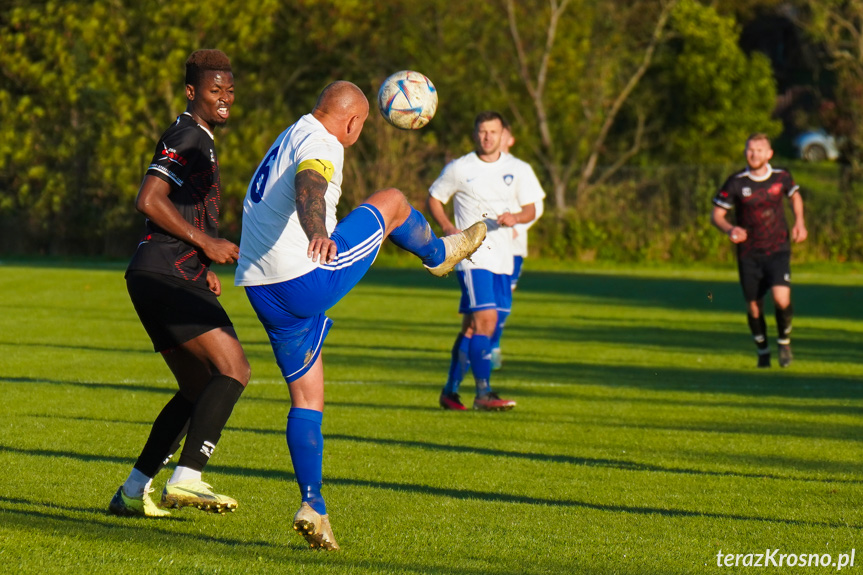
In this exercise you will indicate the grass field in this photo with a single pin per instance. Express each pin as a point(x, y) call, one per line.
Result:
point(644, 440)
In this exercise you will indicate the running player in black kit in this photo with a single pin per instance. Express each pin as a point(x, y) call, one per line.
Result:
point(175, 294)
point(761, 234)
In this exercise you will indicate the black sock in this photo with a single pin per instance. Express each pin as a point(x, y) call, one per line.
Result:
point(174, 447)
point(166, 431)
point(209, 417)
point(758, 327)
point(783, 324)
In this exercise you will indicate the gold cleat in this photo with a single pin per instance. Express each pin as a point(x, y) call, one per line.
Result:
point(196, 494)
point(460, 246)
point(315, 528)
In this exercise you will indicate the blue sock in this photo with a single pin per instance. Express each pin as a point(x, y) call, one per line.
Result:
point(417, 237)
point(459, 364)
point(480, 362)
point(498, 332)
point(306, 444)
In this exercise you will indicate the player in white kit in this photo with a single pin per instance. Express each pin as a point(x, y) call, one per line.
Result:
point(500, 190)
point(296, 261)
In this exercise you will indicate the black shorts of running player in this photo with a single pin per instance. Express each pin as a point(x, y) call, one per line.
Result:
point(173, 310)
point(760, 273)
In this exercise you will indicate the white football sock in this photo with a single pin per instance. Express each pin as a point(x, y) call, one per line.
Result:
point(184, 474)
point(136, 483)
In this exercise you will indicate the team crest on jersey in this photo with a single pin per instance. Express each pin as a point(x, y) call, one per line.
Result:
point(171, 155)
point(775, 189)
point(508, 178)
point(747, 191)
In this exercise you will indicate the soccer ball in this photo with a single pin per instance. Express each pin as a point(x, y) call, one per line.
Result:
point(407, 100)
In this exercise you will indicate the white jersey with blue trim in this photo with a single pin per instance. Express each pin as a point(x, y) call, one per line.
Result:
point(519, 242)
point(484, 191)
point(273, 245)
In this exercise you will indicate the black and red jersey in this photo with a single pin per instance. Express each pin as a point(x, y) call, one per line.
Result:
point(186, 159)
point(758, 205)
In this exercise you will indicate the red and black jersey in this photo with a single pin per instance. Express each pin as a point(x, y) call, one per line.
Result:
point(759, 206)
point(185, 158)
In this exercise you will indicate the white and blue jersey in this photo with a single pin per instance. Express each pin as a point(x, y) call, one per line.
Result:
point(289, 292)
point(519, 242)
point(273, 245)
point(484, 191)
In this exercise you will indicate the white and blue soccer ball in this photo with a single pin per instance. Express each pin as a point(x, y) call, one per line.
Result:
point(407, 100)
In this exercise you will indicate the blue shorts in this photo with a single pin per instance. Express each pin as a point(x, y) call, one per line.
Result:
point(517, 261)
point(482, 289)
point(293, 311)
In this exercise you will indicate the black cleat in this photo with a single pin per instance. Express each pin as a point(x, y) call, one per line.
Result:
point(763, 360)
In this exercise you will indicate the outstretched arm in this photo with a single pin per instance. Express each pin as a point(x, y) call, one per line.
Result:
point(153, 202)
point(311, 187)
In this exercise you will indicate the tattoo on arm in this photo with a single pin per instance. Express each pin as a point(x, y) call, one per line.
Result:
point(311, 206)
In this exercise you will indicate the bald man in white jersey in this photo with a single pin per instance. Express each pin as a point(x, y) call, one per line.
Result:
point(484, 184)
point(296, 261)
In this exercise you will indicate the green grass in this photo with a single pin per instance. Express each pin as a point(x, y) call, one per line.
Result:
point(644, 440)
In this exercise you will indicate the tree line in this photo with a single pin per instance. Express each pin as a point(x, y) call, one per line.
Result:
point(600, 94)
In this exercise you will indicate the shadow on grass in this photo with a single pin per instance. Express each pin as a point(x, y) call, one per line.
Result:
point(154, 388)
point(452, 493)
point(785, 383)
point(99, 523)
point(204, 551)
point(619, 464)
point(79, 347)
point(674, 293)
point(524, 499)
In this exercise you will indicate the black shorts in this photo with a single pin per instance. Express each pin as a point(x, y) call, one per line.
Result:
point(172, 310)
point(760, 273)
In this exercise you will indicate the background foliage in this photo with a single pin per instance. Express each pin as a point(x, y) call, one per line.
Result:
point(631, 112)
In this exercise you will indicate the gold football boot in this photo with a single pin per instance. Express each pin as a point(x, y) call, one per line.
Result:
point(315, 528)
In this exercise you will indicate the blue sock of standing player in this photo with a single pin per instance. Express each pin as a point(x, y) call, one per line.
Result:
point(416, 236)
point(306, 444)
point(480, 363)
point(459, 364)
